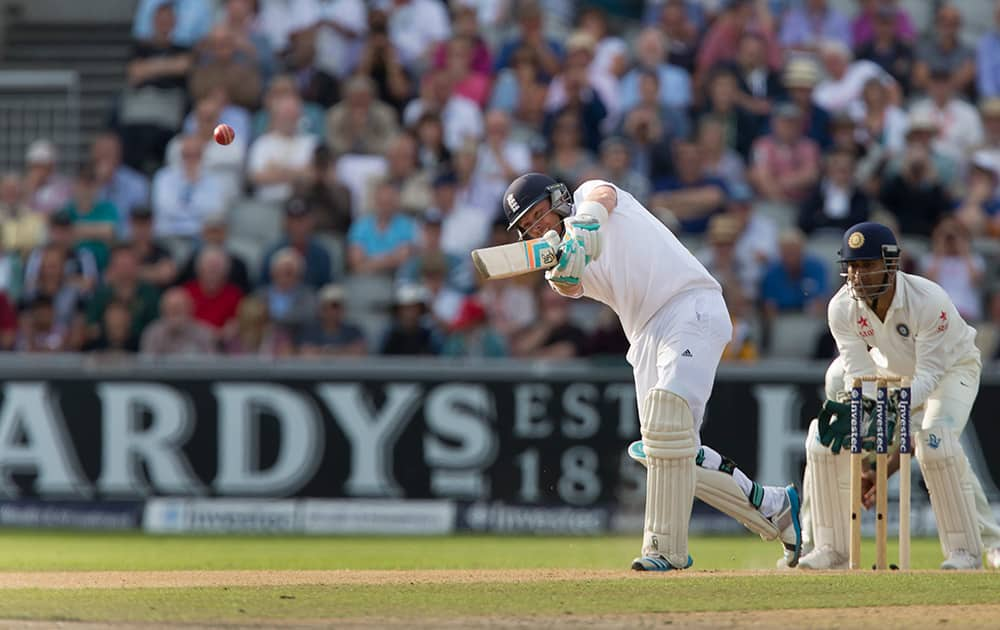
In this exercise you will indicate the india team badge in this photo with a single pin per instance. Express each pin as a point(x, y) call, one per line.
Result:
point(856, 240)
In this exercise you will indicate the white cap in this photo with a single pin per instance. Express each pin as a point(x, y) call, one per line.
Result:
point(411, 294)
point(331, 293)
point(40, 152)
point(986, 161)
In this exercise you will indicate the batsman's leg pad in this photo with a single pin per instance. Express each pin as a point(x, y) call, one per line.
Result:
point(829, 478)
point(948, 476)
point(669, 440)
point(721, 491)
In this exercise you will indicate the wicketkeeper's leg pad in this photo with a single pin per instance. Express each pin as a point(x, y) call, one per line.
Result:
point(829, 477)
point(948, 476)
point(669, 440)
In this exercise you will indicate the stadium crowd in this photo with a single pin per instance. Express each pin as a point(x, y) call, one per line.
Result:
point(378, 138)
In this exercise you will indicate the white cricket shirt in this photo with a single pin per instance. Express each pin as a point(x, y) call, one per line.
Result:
point(922, 336)
point(642, 264)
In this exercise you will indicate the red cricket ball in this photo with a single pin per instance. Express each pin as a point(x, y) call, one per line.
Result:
point(224, 134)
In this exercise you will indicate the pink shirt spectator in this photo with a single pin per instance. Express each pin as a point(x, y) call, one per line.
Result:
point(475, 87)
point(863, 28)
point(482, 61)
point(722, 41)
point(782, 161)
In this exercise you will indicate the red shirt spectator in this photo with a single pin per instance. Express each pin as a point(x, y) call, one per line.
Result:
point(8, 323)
point(215, 299)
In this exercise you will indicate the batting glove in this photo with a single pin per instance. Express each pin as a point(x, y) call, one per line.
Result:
point(572, 259)
point(585, 227)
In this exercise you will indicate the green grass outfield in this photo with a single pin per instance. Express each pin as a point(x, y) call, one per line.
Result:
point(718, 583)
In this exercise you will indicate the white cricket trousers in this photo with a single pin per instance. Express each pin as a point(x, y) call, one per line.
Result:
point(679, 349)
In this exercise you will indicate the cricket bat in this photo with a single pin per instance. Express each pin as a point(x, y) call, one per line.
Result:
point(515, 259)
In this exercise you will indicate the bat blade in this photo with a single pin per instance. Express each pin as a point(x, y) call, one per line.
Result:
point(514, 259)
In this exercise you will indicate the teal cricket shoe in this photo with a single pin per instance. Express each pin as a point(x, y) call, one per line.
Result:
point(789, 526)
point(637, 452)
point(657, 563)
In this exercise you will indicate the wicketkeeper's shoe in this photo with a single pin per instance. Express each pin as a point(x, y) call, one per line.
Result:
point(962, 561)
point(789, 526)
point(657, 563)
point(823, 558)
point(993, 558)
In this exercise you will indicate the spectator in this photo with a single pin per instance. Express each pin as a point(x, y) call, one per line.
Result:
point(281, 157)
point(513, 82)
point(616, 169)
point(878, 122)
point(846, 79)
point(116, 337)
point(681, 34)
point(988, 60)
point(121, 185)
point(226, 161)
point(651, 129)
point(574, 92)
point(122, 284)
point(254, 334)
point(466, 80)
point(239, 16)
point(607, 342)
point(461, 118)
point(213, 234)
point(403, 170)
point(888, 49)
point(332, 34)
point(691, 196)
point(959, 128)
point(500, 159)
point(552, 336)
point(360, 124)
point(456, 268)
point(432, 152)
point(835, 203)
point(312, 84)
point(511, 302)
point(979, 212)
point(232, 114)
point(45, 190)
point(94, 222)
point(863, 25)
point(290, 302)
point(80, 265)
point(814, 21)
point(944, 48)
point(989, 111)
point(330, 335)
point(568, 158)
point(952, 264)
point(381, 63)
point(718, 160)
point(922, 131)
point(329, 198)
point(39, 331)
point(799, 79)
point(192, 21)
point(472, 335)
point(785, 164)
point(547, 51)
point(415, 26)
point(152, 105)
point(723, 102)
point(738, 276)
point(847, 138)
point(311, 122)
point(214, 299)
point(465, 24)
point(757, 240)
point(611, 54)
point(411, 332)
point(176, 332)
point(21, 229)
point(300, 229)
point(743, 346)
point(56, 285)
point(220, 64)
point(723, 37)
point(797, 281)
point(651, 56)
point(183, 195)
point(759, 86)
point(156, 265)
point(916, 195)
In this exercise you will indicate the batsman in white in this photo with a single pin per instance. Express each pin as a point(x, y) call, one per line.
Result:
point(613, 250)
point(890, 323)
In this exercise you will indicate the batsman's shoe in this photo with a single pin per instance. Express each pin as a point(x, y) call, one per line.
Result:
point(789, 526)
point(962, 561)
point(823, 558)
point(657, 563)
point(993, 558)
point(636, 452)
